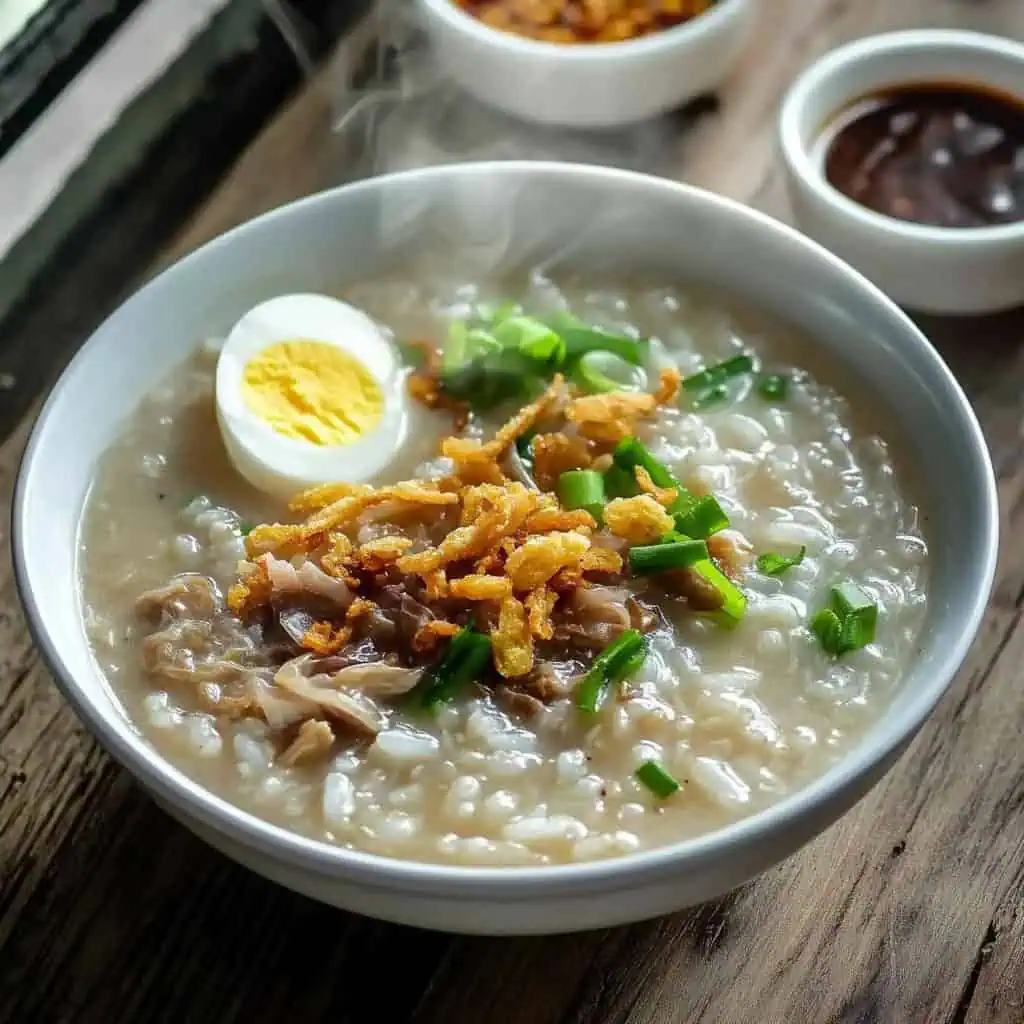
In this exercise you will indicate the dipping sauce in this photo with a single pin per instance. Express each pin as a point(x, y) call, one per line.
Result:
point(949, 156)
point(584, 21)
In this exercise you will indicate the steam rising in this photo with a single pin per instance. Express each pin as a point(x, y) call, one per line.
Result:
point(400, 111)
point(403, 112)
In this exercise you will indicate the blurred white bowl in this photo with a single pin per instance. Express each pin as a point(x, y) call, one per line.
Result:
point(594, 85)
point(932, 269)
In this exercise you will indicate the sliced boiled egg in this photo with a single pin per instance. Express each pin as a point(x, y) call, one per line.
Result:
point(309, 392)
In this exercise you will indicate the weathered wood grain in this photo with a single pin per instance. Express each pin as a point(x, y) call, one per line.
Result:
point(907, 911)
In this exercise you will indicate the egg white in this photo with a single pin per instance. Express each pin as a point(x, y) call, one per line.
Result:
point(282, 466)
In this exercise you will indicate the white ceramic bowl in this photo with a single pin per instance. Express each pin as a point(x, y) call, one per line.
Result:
point(935, 270)
point(483, 218)
point(587, 86)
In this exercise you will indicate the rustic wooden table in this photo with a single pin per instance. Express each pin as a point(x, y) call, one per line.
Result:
point(906, 911)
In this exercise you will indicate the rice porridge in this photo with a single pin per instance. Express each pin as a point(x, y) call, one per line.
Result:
point(213, 633)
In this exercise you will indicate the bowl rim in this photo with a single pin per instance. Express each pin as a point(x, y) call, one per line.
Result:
point(503, 884)
point(837, 63)
point(693, 31)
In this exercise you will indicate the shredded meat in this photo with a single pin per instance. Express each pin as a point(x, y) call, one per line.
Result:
point(378, 679)
point(313, 742)
point(546, 685)
point(700, 595)
point(519, 702)
point(731, 551)
point(599, 616)
point(641, 616)
point(188, 596)
point(349, 708)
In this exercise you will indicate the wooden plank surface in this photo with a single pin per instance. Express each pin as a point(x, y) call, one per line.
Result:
point(905, 911)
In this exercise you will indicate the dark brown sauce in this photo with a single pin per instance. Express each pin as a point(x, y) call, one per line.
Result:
point(949, 156)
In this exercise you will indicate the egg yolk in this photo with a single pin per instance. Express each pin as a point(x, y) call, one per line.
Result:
point(311, 391)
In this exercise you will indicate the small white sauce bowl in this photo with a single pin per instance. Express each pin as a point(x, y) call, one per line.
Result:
point(587, 85)
point(931, 269)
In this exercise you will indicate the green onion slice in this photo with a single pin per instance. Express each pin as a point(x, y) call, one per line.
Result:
point(848, 598)
point(828, 628)
point(713, 396)
point(618, 661)
point(734, 601)
point(580, 338)
point(859, 630)
point(771, 563)
point(497, 376)
point(849, 623)
point(773, 386)
point(704, 517)
point(619, 483)
point(657, 778)
point(582, 488)
point(601, 372)
point(534, 338)
point(456, 349)
point(667, 556)
point(464, 661)
point(630, 453)
point(859, 615)
point(695, 517)
point(714, 376)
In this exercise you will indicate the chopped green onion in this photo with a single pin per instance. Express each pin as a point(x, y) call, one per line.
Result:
point(859, 615)
point(829, 630)
point(859, 630)
point(245, 528)
point(719, 393)
point(773, 386)
point(630, 453)
point(479, 342)
point(465, 345)
point(658, 779)
point(581, 338)
point(695, 517)
point(582, 488)
point(615, 663)
point(848, 598)
point(848, 624)
point(666, 557)
point(456, 349)
point(495, 377)
point(734, 602)
point(634, 664)
point(704, 517)
point(465, 659)
point(589, 375)
point(714, 376)
point(534, 338)
point(619, 483)
point(771, 563)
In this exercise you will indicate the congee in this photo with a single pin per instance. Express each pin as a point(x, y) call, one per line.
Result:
point(538, 574)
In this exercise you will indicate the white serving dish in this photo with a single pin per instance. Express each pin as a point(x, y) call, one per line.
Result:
point(600, 85)
point(528, 210)
point(931, 269)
